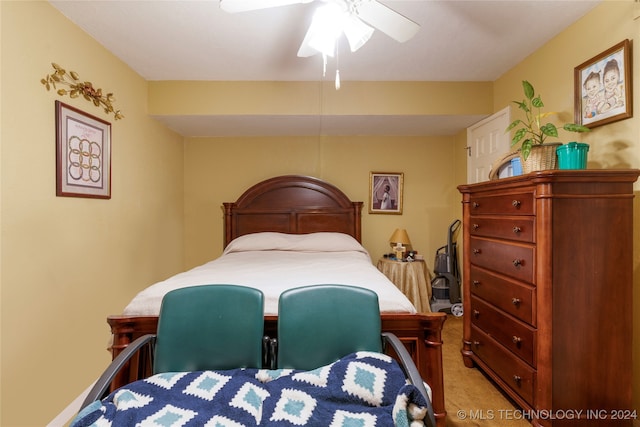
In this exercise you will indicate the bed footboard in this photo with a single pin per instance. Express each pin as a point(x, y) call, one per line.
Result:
point(420, 333)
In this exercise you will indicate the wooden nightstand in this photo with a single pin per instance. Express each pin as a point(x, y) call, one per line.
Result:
point(412, 278)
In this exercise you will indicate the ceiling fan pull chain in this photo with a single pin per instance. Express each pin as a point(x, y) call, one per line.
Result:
point(324, 65)
point(337, 66)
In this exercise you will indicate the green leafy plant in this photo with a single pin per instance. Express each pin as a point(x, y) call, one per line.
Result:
point(533, 131)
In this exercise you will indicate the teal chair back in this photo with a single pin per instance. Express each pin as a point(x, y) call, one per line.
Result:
point(319, 324)
point(210, 327)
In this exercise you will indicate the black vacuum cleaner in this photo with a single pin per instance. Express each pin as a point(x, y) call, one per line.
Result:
point(445, 286)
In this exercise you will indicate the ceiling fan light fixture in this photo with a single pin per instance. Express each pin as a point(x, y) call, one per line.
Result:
point(356, 31)
point(355, 18)
point(326, 28)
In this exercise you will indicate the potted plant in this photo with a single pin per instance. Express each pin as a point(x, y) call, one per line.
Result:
point(532, 132)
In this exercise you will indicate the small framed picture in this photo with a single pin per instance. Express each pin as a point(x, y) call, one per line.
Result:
point(385, 192)
point(603, 92)
point(83, 154)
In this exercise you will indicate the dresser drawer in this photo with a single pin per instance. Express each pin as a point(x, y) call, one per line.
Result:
point(514, 298)
point(514, 372)
point(514, 228)
point(512, 260)
point(502, 204)
point(516, 336)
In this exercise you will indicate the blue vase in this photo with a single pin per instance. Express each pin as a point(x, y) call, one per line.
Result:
point(516, 166)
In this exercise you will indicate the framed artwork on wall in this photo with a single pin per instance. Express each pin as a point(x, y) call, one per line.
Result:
point(602, 89)
point(385, 192)
point(83, 154)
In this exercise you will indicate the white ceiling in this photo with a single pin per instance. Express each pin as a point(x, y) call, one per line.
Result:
point(473, 40)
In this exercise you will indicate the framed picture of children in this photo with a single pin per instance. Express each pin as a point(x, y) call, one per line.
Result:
point(385, 192)
point(603, 92)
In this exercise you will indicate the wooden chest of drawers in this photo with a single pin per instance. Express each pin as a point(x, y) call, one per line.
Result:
point(547, 292)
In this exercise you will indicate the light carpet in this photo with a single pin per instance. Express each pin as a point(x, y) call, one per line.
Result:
point(471, 399)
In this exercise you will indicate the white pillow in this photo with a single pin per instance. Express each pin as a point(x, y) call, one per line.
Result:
point(313, 242)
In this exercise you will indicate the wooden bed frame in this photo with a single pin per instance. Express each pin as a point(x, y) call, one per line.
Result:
point(300, 204)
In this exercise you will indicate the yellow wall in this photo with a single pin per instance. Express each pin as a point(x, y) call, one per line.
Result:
point(550, 70)
point(616, 145)
point(313, 98)
point(217, 170)
point(68, 262)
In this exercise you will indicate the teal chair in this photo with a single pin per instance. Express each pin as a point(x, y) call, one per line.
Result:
point(209, 327)
point(319, 324)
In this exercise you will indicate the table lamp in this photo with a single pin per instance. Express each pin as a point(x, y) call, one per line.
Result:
point(399, 241)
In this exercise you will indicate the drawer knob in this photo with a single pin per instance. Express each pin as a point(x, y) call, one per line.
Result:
point(475, 226)
point(475, 204)
point(476, 283)
point(517, 229)
point(516, 204)
point(516, 301)
point(476, 343)
point(476, 251)
point(517, 379)
point(516, 340)
point(517, 262)
point(476, 313)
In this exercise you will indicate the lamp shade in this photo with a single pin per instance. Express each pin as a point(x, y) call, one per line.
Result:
point(400, 236)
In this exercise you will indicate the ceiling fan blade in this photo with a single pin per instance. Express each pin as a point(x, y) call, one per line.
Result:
point(387, 20)
point(235, 6)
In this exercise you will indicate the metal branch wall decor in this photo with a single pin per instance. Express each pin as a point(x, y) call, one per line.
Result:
point(78, 88)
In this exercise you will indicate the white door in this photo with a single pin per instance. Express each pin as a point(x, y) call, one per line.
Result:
point(486, 143)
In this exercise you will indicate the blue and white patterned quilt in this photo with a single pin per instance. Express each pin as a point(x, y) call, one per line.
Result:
point(363, 389)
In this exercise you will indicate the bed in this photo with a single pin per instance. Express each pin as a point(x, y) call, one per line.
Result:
point(295, 206)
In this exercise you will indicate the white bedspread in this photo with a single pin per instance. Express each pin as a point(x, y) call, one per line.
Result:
point(274, 262)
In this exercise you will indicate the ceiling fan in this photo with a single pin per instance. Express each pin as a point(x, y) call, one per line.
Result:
point(356, 19)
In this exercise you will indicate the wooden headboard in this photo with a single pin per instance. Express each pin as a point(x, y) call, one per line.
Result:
point(292, 204)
